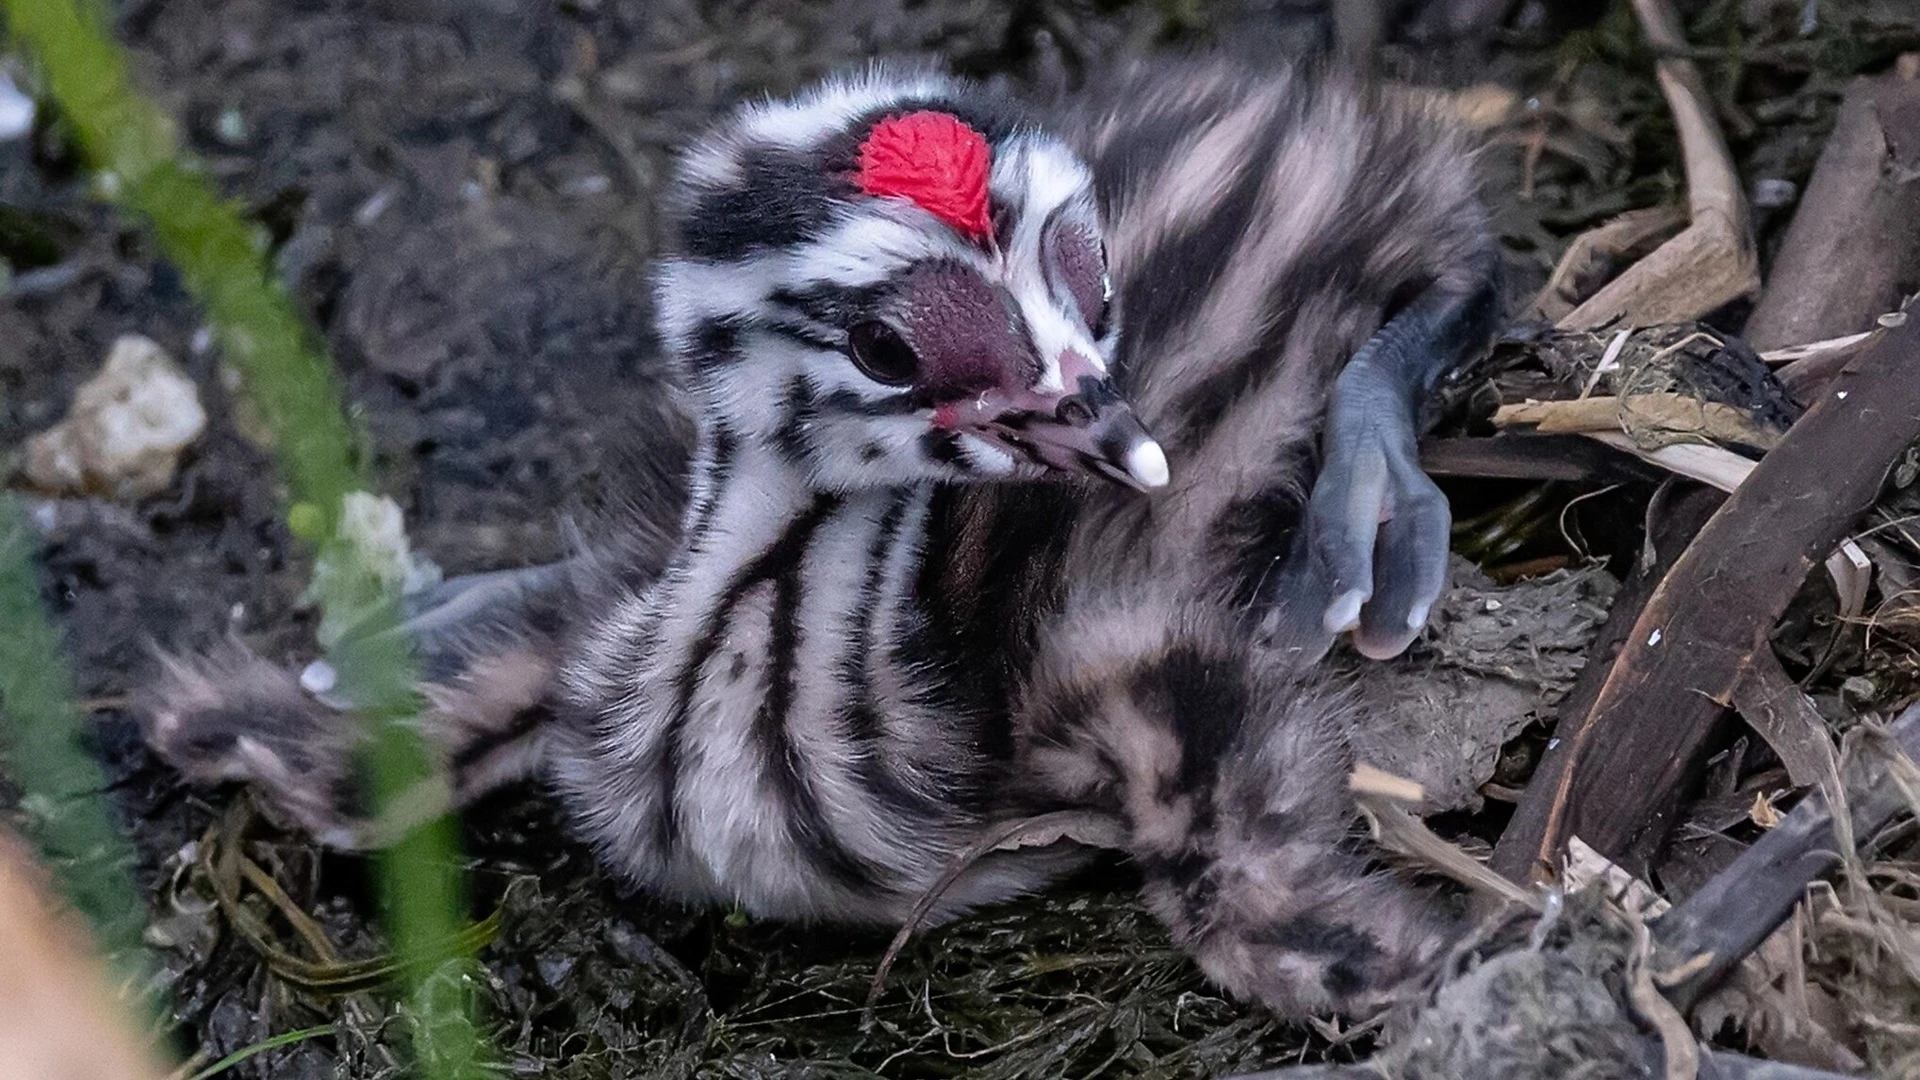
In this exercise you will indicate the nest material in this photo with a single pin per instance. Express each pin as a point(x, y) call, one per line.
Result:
point(1578, 990)
point(1861, 954)
point(1675, 383)
point(1552, 1005)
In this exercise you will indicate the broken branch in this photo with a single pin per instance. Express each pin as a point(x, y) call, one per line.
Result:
point(1775, 707)
point(1520, 456)
point(1596, 251)
point(1669, 412)
point(1670, 528)
point(1712, 261)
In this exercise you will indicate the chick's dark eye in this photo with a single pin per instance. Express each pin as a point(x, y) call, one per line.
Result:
point(882, 354)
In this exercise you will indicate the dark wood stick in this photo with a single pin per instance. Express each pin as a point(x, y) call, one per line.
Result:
point(1775, 707)
point(1516, 456)
point(1803, 377)
point(1853, 249)
point(1672, 525)
point(1625, 764)
point(1733, 913)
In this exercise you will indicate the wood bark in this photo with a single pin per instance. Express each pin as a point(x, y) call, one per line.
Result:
point(1852, 252)
point(1670, 528)
point(1516, 456)
point(1745, 903)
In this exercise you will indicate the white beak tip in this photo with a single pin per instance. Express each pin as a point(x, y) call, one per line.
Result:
point(1147, 464)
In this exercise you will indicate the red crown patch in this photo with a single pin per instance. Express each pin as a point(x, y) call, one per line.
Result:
point(933, 159)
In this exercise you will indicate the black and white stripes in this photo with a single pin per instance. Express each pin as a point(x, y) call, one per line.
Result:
point(781, 256)
point(800, 736)
point(782, 747)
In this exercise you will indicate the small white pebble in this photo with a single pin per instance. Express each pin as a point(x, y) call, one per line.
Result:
point(1841, 394)
point(1653, 638)
point(594, 184)
point(1493, 605)
point(1553, 743)
point(125, 432)
point(376, 204)
point(231, 127)
point(1771, 193)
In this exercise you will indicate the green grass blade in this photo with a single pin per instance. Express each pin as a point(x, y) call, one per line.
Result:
point(274, 1043)
point(61, 786)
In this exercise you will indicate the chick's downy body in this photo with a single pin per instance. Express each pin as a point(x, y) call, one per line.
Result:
point(1034, 467)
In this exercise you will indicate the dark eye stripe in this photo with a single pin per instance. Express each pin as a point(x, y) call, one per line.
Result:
point(1005, 218)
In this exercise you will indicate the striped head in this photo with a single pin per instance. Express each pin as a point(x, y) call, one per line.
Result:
point(893, 279)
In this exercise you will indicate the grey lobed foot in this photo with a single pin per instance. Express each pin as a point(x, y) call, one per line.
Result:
point(1376, 527)
point(1371, 558)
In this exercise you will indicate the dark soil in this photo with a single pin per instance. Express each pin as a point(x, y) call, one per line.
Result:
point(461, 193)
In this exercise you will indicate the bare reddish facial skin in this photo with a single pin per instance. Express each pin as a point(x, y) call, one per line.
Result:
point(1073, 257)
point(967, 334)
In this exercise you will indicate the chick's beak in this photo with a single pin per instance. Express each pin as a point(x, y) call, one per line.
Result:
point(1090, 430)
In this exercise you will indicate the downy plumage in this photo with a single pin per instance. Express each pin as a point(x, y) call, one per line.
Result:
point(993, 510)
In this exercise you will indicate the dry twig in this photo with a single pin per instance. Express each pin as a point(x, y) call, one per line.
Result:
point(1662, 411)
point(1712, 261)
point(1742, 905)
point(1597, 250)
